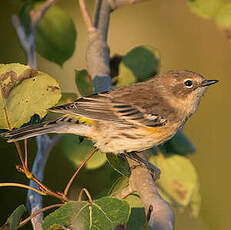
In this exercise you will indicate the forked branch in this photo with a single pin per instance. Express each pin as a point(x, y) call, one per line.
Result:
point(45, 144)
point(160, 215)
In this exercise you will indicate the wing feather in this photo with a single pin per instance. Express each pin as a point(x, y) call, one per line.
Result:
point(104, 108)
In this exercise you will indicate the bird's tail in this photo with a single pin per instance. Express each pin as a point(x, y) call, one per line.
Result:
point(61, 125)
point(29, 131)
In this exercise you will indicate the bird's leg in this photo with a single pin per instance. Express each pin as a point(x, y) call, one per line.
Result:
point(154, 170)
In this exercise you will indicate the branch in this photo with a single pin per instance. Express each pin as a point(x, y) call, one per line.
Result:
point(34, 200)
point(25, 41)
point(119, 3)
point(45, 144)
point(28, 41)
point(98, 56)
point(160, 215)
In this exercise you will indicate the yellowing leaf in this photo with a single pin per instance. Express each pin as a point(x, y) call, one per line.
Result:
point(195, 203)
point(178, 178)
point(223, 19)
point(25, 92)
point(205, 8)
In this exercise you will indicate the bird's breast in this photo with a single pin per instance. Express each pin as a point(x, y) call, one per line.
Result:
point(119, 138)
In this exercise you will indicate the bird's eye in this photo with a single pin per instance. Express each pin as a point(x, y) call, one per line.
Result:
point(188, 83)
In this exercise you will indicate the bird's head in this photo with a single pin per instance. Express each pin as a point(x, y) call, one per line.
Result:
point(183, 89)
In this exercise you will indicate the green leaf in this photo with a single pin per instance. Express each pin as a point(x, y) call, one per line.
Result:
point(126, 76)
point(114, 64)
point(56, 36)
point(178, 179)
point(14, 219)
point(24, 92)
point(77, 151)
point(57, 227)
point(119, 163)
point(137, 219)
point(134, 201)
point(67, 98)
point(137, 65)
point(205, 8)
point(179, 144)
point(24, 16)
point(83, 82)
point(104, 214)
point(119, 185)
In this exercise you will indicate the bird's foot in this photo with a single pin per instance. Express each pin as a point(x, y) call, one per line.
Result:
point(154, 170)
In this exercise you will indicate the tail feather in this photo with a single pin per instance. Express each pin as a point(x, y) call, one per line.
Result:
point(30, 131)
point(64, 124)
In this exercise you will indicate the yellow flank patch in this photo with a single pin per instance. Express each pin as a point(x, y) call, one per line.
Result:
point(153, 129)
point(81, 119)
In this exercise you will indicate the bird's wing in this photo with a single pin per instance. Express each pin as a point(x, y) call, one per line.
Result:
point(102, 107)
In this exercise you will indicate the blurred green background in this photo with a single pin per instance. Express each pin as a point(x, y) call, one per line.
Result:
point(184, 41)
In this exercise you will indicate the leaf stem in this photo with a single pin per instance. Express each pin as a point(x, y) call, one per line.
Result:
point(26, 155)
point(22, 186)
point(87, 193)
point(38, 212)
point(77, 171)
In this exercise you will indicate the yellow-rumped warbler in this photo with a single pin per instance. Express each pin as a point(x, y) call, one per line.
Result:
point(129, 118)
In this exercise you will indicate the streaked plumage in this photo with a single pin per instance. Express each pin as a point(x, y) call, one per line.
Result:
point(130, 118)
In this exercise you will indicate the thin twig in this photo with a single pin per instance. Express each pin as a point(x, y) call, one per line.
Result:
point(22, 186)
point(86, 16)
point(38, 212)
point(37, 15)
point(41, 186)
point(77, 171)
point(26, 153)
point(21, 159)
point(118, 3)
point(48, 191)
point(87, 193)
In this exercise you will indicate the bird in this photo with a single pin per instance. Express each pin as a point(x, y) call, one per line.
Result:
point(127, 119)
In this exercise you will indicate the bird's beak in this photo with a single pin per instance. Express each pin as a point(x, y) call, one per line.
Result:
point(208, 82)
